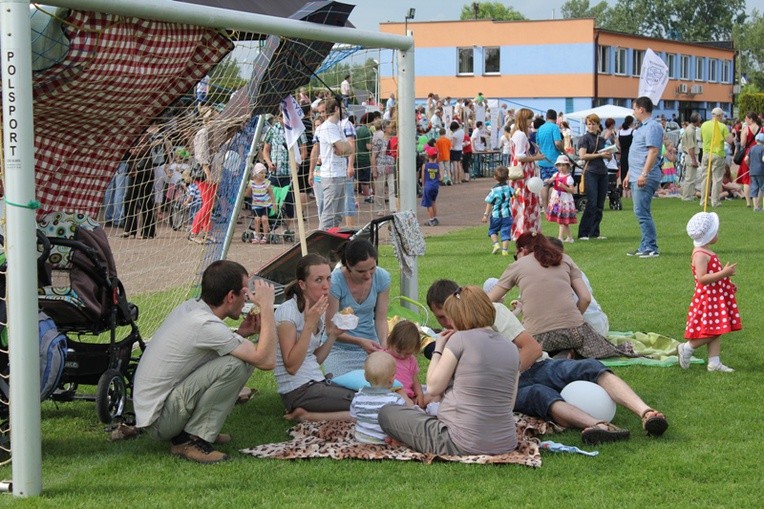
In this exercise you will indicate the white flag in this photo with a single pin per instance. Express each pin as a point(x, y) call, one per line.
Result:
point(654, 77)
point(293, 126)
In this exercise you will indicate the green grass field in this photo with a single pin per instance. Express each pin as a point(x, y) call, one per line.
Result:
point(709, 457)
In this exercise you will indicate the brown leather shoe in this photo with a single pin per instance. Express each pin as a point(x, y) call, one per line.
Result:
point(199, 451)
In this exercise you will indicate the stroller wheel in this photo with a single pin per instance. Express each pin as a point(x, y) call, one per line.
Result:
point(246, 236)
point(111, 396)
point(274, 238)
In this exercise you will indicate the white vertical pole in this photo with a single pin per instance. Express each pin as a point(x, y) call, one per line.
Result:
point(20, 246)
point(407, 152)
point(243, 183)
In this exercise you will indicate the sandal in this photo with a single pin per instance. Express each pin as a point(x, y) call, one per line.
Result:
point(654, 422)
point(595, 434)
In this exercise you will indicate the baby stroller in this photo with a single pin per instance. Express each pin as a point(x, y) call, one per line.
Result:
point(79, 289)
point(276, 219)
point(614, 191)
point(179, 213)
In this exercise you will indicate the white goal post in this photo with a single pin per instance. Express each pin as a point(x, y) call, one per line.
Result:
point(19, 168)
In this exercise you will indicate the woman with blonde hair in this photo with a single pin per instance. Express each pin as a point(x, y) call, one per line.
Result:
point(526, 206)
point(476, 370)
point(595, 178)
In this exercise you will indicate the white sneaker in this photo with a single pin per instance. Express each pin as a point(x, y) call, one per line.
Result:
point(684, 355)
point(720, 367)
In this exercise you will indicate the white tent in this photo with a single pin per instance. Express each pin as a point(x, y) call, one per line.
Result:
point(606, 111)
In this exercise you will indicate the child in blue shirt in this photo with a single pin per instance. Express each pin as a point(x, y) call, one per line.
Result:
point(430, 177)
point(755, 160)
point(498, 203)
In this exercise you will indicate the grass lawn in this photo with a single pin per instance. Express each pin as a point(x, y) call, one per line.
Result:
point(709, 457)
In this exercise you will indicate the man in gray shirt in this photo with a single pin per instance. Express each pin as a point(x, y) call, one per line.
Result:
point(190, 375)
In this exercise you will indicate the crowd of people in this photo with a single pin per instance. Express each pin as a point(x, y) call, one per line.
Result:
point(490, 359)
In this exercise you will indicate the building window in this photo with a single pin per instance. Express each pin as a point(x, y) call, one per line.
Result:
point(699, 64)
point(669, 105)
point(671, 63)
point(620, 102)
point(636, 64)
point(726, 71)
point(491, 58)
point(466, 61)
point(603, 67)
point(684, 67)
point(713, 71)
point(620, 61)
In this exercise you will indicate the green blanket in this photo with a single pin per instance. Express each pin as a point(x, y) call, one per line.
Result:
point(656, 350)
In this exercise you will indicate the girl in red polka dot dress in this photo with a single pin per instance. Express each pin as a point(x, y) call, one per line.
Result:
point(713, 310)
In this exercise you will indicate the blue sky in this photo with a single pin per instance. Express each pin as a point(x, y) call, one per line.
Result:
point(369, 13)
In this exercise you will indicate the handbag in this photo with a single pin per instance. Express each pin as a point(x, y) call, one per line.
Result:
point(516, 172)
point(739, 154)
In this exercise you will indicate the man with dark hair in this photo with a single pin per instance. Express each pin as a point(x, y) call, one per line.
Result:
point(542, 378)
point(690, 149)
point(549, 140)
point(193, 369)
point(645, 174)
point(334, 150)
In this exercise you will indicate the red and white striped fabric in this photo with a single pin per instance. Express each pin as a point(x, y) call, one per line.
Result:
point(119, 74)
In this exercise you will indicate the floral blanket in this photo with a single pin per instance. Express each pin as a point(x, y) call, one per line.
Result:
point(335, 440)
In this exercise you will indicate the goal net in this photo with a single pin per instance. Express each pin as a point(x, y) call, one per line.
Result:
point(154, 129)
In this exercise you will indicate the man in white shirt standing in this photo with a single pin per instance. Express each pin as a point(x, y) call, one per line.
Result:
point(334, 150)
point(346, 90)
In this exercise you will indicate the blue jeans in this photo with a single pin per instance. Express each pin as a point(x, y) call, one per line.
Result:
point(643, 198)
point(114, 199)
point(540, 384)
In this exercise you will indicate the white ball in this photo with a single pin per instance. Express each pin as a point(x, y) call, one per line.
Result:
point(591, 398)
point(535, 185)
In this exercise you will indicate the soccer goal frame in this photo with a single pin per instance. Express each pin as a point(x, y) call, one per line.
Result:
point(19, 168)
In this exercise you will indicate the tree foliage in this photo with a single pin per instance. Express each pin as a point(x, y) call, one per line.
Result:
point(687, 20)
point(749, 40)
point(490, 10)
point(582, 9)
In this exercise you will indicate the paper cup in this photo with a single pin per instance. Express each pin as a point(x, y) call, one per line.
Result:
point(345, 322)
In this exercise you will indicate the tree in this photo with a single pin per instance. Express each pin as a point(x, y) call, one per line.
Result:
point(749, 40)
point(490, 10)
point(687, 20)
point(581, 9)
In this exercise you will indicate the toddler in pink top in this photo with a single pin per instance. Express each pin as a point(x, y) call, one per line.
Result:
point(403, 344)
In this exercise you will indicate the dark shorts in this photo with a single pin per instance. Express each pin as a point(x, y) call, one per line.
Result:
point(547, 172)
point(456, 155)
point(429, 195)
point(322, 396)
point(500, 225)
point(261, 211)
point(363, 174)
point(540, 385)
point(288, 207)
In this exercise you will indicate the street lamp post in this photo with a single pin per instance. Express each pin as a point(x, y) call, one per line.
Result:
point(410, 15)
point(376, 81)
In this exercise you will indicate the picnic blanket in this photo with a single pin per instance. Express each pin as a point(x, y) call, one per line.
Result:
point(335, 439)
point(655, 349)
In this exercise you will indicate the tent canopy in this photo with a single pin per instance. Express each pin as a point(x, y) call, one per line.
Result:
point(606, 111)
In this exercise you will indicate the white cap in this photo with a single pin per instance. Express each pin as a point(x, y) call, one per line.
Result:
point(703, 227)
point(717, 112)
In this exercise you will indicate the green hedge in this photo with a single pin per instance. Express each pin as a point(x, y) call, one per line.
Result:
point(750, 102)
